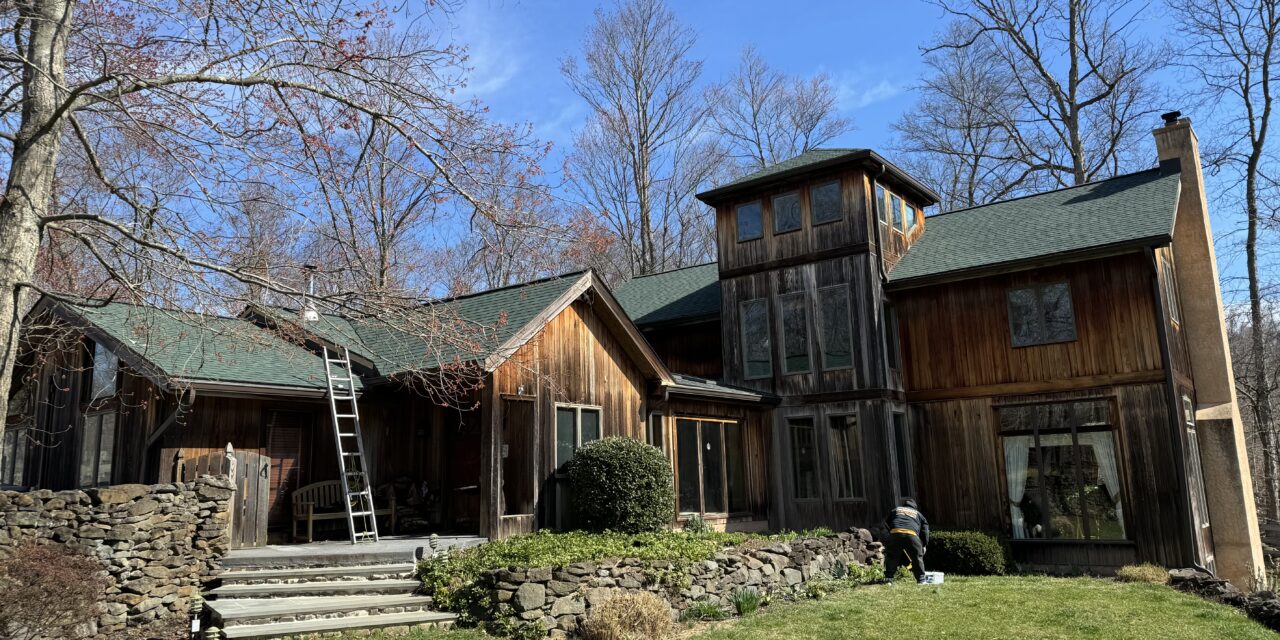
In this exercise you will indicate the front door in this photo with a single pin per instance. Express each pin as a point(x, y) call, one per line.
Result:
point(285, 430)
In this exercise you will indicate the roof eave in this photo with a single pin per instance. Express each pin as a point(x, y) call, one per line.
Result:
point(1078, 255)
point(229, 388)
point(867, 157)
point(743, 397)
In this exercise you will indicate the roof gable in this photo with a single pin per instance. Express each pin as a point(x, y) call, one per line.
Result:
point(1134, 208)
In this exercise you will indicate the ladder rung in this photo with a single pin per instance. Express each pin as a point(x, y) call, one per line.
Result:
point(344, 415)
point(346, 435)
point(344, 397)
point(361, 514)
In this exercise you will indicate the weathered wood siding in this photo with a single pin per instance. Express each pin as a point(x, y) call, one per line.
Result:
point(692, 348)
point(956, 339)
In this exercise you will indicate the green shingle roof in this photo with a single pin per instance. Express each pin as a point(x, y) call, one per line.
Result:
point(806, 159)
point(816, 159)
point(1125, 209)
point(191, 346)
point(443, 332)
point(682, 294)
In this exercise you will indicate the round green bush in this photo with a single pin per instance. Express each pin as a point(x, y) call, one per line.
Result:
point(968, 553)
point(624, 485)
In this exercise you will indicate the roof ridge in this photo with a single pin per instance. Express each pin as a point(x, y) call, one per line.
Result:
point(474, 294)
point(663, 273)
point(1041, 193)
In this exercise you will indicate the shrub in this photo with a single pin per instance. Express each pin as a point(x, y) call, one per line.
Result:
point(866, 574)
point(48, 590)
point(704, 610)
point(1145, 572)
point(746, 601)
point(970, 553)
point(636, 615)
point(696, 525)
point(620, 484)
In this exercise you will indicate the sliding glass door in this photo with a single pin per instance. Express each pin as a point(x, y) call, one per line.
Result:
point(710, 476)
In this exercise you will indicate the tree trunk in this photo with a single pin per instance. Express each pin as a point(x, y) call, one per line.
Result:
point(45, 24)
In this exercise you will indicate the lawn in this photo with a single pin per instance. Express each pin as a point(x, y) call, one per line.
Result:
point(1011, 607)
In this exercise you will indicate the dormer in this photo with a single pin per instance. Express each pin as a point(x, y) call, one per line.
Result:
point(821, 204)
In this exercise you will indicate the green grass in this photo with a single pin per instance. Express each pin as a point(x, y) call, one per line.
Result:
point(997, 607)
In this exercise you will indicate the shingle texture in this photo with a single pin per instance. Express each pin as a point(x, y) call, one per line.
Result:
point(1129, 208)
point(443, 332)
point(191, 346)
point(682, 294)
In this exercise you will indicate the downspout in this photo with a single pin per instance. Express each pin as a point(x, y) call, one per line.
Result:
point(1175, 411)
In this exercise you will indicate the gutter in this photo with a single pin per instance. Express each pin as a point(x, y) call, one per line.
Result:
point(1175, 412)
point(216, 387)
point(688, 392)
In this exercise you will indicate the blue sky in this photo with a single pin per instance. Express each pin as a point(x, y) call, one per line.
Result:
point(871, 50)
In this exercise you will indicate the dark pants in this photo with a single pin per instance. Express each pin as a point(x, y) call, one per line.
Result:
point(902, 548)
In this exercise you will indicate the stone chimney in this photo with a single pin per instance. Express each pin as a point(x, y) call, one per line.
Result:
point(1224, 459)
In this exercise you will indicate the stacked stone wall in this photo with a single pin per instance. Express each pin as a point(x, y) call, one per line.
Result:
point(560, 598)
point(158, 543)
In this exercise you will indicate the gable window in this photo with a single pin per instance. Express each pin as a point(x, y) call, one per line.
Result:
point(846, 456)
point(833, 329)
point(896, 207)
point(824, 203)
point(750, 224)
point(756, 359)
point(881, 207)
point(1041, 315)
point(97, 447)
point(710, 466)
point(892, 353)
point(786, 212)
point(103, 377)
point(1060, 466)
point(910, 213)
point(575, 426)
point(1171, 290)
point(795, 333)
point(804, 458)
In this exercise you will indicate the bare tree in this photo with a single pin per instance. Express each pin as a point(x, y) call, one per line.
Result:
point(643, 154)
point(170, 106)
point(1077, 75)
point(764, 117)
point(1233, 48)
point(262, 241)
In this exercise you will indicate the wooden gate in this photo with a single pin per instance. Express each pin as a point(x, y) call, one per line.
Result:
point(251, 474)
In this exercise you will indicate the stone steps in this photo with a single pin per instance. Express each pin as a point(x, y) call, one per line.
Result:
point(323, 588)
point(253, 611)
point(317, 574)
point(309, 628)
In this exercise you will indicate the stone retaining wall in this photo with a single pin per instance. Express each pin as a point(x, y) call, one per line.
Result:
point(159, 543)
point(560, 598)
point(1263, 606)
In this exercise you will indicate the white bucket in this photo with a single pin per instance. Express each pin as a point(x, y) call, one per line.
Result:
point(933, 577)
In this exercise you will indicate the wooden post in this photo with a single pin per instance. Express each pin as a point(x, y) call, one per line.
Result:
point(230, 464)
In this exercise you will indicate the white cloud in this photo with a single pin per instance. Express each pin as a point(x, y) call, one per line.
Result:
point(854, 90)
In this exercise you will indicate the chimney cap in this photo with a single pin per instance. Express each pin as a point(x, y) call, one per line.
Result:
point(1171, 117)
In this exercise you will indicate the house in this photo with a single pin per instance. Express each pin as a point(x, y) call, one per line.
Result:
point(1051, 368)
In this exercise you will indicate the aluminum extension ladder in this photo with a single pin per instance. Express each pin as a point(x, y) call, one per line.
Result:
point(361, 521)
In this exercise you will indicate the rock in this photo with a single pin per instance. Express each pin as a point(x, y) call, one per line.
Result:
point(568, 605)
point(530, 595)
point(143, 507)
point(792, 577)
point(561, 588)
point(118, 494)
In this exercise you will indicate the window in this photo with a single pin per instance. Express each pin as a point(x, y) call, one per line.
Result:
point(756, 359)
point(897, 212)
point(710, 466)
point(846, 456)
point(833, 329)
point(892, 354)
point(879, 204)
point(824, 203)
point(902, 453)
point(1060, 468)
point(750, 226)
point(1171, 290)
point(105, 366)
point(656, 432)
point(1195, 473)
point(910, 214)
point(575, 426)
point(795, 334)
point(786, 212)
point(13, 457)
point(1041, 315)
point(97, 446)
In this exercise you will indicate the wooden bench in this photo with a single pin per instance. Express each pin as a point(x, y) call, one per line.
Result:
point(323, 501)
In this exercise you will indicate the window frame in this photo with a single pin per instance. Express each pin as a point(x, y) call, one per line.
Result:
point(896, 212)
point(737, 217)
point(782, 329)
point(577, 430)
point(773, 210)
point(1110, 428)
point(1171, 290)
point(100, 418)
point(768, 337)
point(909, 212)
point(822, 328)
point(881, 197)
point(699, 421)
point(657, 426)
point(813, 211)
point(1039, 289)
point(95, 395)
point(815, 459)
point(861, 466)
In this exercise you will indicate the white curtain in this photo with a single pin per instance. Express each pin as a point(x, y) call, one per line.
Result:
point(1017, 451)
point(1104, 451)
